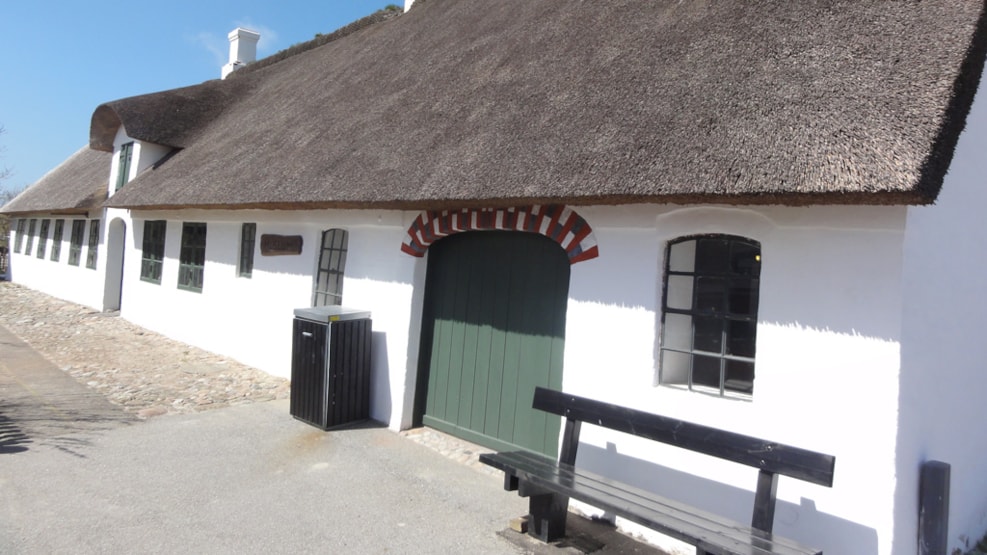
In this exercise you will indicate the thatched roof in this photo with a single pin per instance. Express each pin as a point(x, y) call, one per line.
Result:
point(77, 185)
point(462, 103)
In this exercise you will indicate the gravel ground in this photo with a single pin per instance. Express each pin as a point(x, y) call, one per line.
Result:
point(142, 371)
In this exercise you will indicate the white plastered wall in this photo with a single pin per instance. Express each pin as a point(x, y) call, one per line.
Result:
point(943, 349)
point(827, 351)
point(250, 319)
point(75, 283)
point(827, 362)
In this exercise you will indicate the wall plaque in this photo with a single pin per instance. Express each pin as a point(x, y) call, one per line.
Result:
point(279, 245)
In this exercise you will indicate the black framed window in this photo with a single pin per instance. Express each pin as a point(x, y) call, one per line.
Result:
point(32, 225)
point(192, 259)
point(152, 257)
point(75, 241)
point(92, 253)
point(56, 240)
point(19, 236)
point(332, 265)
point(709, 314)
point(43, 238)
point(123, 168)
point(248, 238)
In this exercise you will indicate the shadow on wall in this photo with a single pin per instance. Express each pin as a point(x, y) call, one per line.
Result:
point(817, 529)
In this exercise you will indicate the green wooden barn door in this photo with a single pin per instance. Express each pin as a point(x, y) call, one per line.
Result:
point(493, 329)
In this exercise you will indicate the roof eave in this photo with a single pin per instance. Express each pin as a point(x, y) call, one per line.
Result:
point(783, 199)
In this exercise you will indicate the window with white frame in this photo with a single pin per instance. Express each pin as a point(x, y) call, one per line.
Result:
point(56, 240)
point(709, 314)
point(31, 226)
point(152, 253)
point(43, 238)
point(192, 258)
point(92, 253)
point(248, 235)
point(75, 241)
point(328, 288)
point(123, 165)
point(19, 236)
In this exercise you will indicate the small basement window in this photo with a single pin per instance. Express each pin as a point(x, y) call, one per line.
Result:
point(709, 314)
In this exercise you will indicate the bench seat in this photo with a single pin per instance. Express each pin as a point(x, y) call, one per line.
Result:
point(532, 474)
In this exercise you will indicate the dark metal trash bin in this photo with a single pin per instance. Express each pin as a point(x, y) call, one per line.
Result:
point(330, 366)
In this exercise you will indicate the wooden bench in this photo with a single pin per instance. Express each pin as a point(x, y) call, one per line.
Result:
point(549, 484)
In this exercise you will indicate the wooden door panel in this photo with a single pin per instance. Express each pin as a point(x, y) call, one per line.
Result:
point(493, 331)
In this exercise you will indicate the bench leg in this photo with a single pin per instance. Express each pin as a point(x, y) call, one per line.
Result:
point(546, 520)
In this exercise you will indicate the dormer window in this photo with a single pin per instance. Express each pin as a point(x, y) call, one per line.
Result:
point(123, 168)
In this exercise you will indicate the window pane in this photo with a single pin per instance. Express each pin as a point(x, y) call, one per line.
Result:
point(679, 293)
point(710, 294)
point(745, 259)
point(712, 256)
point(708, 335)
point(706, 371)
point(682, 256)
point(741, 338)
point(675, 367)
point(677, 332)
point(743, 297)
point(739, 376)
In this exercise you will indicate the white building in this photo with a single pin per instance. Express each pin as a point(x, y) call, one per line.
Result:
point(763, 218)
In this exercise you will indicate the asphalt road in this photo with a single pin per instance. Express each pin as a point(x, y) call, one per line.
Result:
point(79, 475)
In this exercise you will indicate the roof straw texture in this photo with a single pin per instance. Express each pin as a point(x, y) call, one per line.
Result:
point(466, 103)
point(77, 185)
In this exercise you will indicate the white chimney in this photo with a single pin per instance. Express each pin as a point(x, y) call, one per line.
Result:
point(243, 49)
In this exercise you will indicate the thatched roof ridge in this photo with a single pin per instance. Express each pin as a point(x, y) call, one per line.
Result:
point(75, 186)
point(319, 40)
point(469, 103)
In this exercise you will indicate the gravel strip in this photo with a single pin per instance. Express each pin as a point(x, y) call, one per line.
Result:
point(145, 372)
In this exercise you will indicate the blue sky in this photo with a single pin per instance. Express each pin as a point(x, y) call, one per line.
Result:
point(59, 59)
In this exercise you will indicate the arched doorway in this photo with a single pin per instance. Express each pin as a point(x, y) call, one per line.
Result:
point(116, 238)
point(493, 329)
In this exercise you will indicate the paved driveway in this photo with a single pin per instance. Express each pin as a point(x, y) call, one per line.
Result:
point(80, 475)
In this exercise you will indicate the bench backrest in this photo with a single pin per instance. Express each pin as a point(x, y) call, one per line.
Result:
point(769, 456)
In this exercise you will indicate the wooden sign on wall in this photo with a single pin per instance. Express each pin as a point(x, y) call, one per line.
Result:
point(280, 245)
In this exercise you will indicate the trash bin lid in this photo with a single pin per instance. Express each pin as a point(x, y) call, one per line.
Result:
point(330, 313)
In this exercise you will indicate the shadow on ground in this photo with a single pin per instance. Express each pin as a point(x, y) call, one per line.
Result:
point(12, 438)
